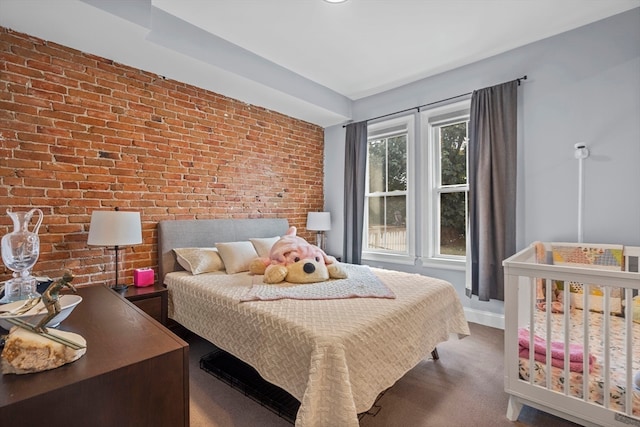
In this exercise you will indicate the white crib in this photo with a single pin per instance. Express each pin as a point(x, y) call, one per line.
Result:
point(598, 323)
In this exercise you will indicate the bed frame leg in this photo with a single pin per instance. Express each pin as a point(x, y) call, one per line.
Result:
point(434, 354)
point(513, 408)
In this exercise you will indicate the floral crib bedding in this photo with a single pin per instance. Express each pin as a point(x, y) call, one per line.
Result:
point(617, 354)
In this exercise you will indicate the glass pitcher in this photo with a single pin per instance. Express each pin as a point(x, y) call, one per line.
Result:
point(20, 251)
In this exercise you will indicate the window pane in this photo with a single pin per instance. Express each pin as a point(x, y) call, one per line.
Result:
point(453, 220)
point(376, 222)
point(395, 238)
point(376, 211)
point(387, 223)
point(377, 165)
point(397, 211)
point(397, 155)
point(453, 154)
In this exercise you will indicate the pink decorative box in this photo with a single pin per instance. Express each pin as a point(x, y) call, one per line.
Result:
point(143, 277)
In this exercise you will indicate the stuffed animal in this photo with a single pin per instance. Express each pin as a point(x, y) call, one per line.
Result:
point(294, 260)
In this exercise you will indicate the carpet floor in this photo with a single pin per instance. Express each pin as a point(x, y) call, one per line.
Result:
point(464, 388)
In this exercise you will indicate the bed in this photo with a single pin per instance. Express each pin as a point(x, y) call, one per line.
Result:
point(334, 355)
point(572, 332)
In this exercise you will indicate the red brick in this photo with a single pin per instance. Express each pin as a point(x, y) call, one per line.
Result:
point(83, 132)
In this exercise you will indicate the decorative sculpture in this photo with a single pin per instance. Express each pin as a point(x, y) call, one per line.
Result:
point(27, 352)
point(30, 349)
point(50, 299)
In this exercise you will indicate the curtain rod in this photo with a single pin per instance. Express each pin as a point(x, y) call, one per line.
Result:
point(430, 103)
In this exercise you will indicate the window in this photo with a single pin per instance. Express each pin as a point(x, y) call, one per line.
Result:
point(434, 209)
point(450, 189)
point(446, 188)
point(386, 198)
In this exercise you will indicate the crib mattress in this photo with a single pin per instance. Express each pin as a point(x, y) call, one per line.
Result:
point(617, 354)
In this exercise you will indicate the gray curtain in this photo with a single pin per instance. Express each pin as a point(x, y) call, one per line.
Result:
point(355, 163)
point(492, 186)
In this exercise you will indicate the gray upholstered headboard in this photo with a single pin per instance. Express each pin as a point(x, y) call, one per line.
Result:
point(198, 233)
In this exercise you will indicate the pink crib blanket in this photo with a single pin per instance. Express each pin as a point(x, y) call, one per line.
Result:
point(576, 352)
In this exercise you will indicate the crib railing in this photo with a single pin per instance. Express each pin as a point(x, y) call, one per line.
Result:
point(521, 273)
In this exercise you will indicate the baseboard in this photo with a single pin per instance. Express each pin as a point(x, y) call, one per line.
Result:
point(485, 318)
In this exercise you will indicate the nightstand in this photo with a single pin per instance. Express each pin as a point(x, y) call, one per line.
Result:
point(150, 299)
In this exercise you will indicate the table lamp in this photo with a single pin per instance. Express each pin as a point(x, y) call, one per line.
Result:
point(320, 222)
point(115, 229)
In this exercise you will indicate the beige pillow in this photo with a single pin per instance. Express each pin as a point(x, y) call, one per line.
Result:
point(263, 245)
point(236, 255)
point(199, 260)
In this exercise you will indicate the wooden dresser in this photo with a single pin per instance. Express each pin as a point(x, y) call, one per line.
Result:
point(135, 373)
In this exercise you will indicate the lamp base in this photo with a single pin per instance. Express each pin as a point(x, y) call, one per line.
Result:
point(120, 288)
point(321, 240)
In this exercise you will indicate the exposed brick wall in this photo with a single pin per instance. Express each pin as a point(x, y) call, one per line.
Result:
point(80, 133)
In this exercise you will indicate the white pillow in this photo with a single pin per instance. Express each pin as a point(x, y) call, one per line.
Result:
point(236, 255)
point(199, 260)
point(263, 245)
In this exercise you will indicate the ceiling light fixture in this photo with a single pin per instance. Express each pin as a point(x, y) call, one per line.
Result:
point(335, 1)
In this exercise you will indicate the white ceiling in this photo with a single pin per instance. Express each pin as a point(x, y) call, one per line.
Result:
point(306, 58)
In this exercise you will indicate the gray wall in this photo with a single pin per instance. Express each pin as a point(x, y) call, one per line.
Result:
point(582, 86)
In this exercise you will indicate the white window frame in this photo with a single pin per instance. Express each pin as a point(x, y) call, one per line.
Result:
point(431, 119)
point(378, 130)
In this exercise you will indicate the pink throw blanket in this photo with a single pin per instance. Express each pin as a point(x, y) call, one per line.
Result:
point(576, 352)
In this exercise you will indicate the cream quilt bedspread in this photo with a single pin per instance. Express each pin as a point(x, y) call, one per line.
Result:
point(335, 356)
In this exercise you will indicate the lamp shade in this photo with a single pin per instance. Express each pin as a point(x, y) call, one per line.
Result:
point(114, 228)
point(319, 221)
